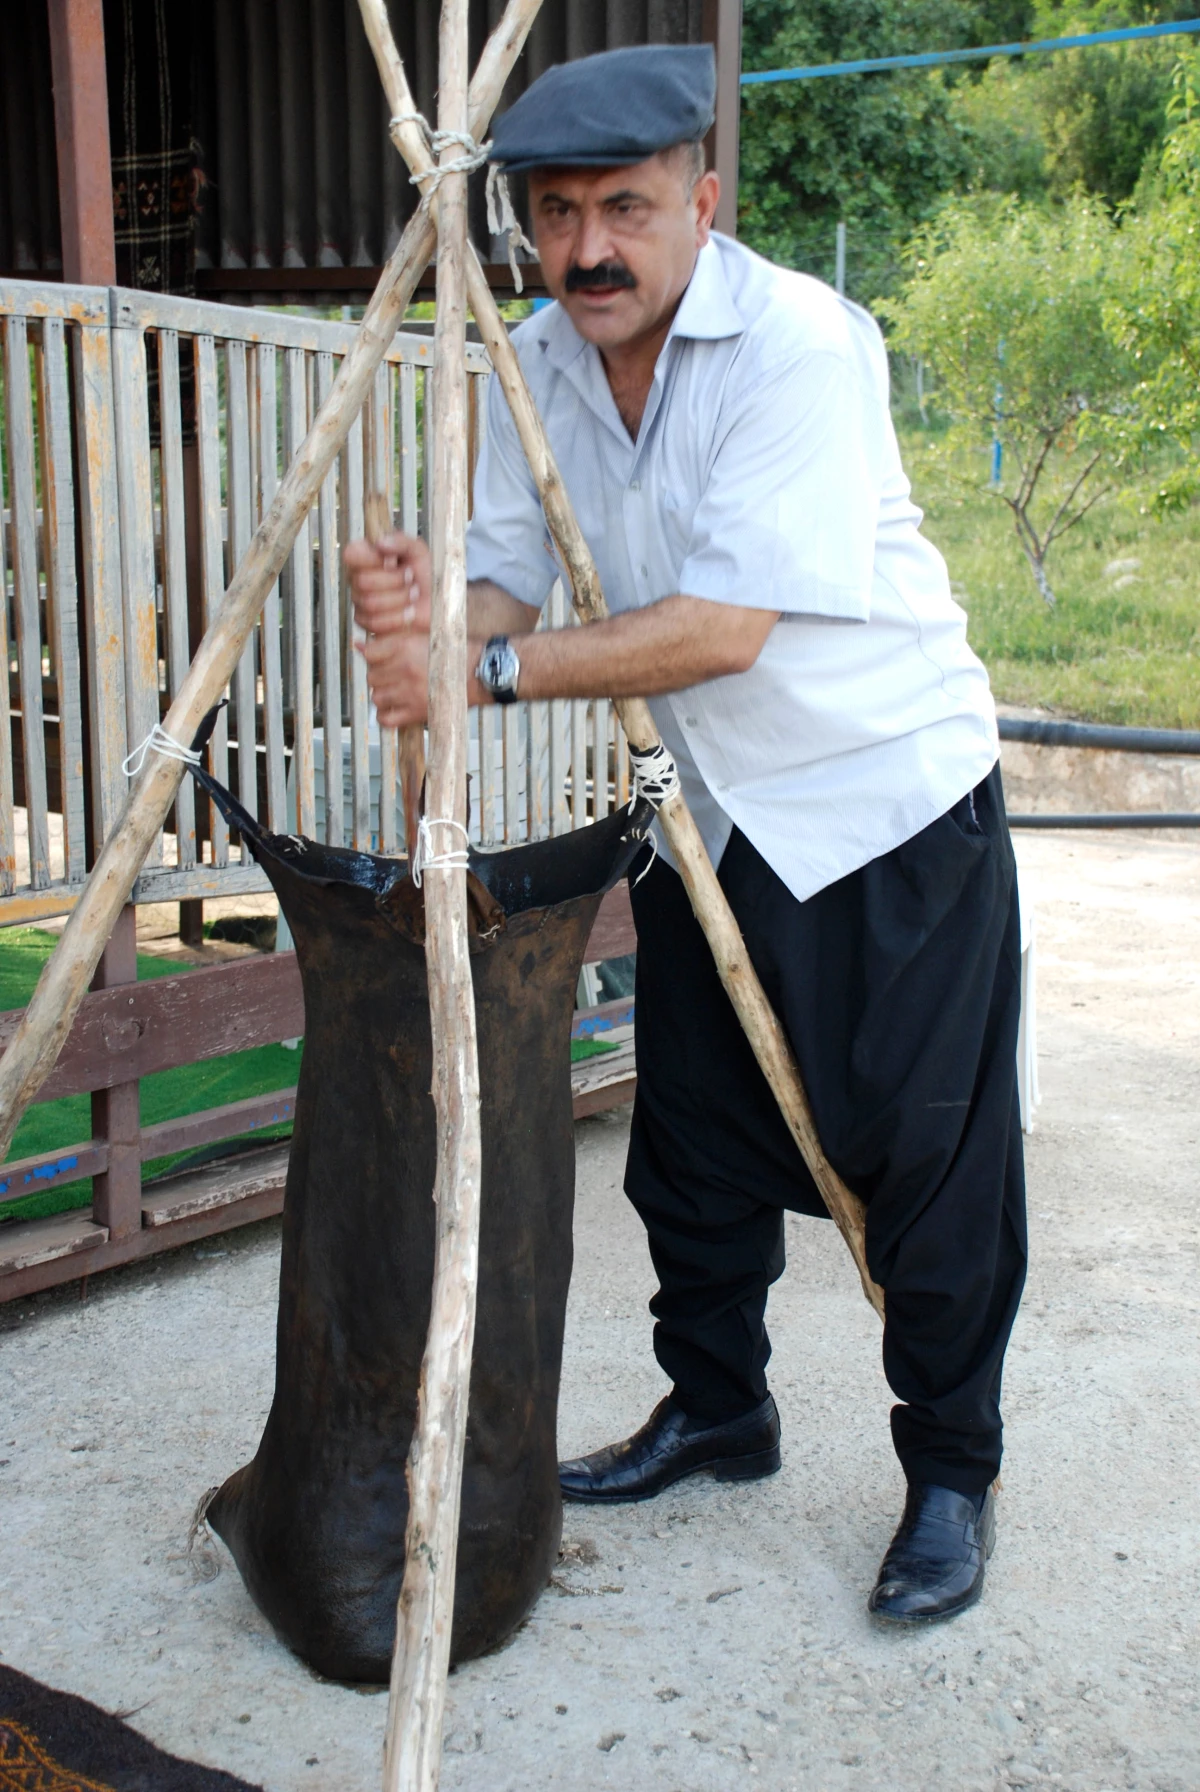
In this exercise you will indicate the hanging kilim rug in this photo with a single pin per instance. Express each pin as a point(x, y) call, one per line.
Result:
point(53, 1742)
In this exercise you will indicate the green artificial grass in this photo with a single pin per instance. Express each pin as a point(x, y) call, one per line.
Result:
point(1122, 643)
point(589, 1048)
point(166, 1095)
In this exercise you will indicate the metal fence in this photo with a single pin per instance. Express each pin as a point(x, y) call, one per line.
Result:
point(142, 437)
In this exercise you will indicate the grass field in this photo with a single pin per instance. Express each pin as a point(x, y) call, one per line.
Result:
point(1123, 642)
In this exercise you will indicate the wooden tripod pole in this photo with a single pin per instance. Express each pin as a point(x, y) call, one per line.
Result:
point(421, 1658)
point(377, 516)
point(759, 1020)
point(68, 971)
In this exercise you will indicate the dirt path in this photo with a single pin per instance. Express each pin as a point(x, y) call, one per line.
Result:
point(715, 1638)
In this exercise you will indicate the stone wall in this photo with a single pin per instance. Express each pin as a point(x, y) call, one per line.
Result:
point(1082, 780)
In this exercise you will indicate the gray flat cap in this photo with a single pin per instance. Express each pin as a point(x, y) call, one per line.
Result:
point(604, 111)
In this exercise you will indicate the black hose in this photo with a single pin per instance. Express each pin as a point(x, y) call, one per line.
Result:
point(1146, 818)
point(1094, 734)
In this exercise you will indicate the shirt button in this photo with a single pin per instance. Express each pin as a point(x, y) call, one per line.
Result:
point(690, 722)
point(722, 787)
point(645, 571)
point(635, 485)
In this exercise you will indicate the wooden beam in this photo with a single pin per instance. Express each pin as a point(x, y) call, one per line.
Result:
point(37, 1254)
point(124, 1033)
point(195, 1204)
point(131, 1031)
point(236, 284)
point(81, 134)
point(722, 28)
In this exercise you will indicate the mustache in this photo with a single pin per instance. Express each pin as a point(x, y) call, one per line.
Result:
point(612, 274)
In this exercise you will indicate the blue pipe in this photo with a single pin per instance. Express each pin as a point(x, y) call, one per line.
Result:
point(937, 58)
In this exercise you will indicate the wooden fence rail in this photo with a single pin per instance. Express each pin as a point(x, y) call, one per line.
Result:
point(141, 438)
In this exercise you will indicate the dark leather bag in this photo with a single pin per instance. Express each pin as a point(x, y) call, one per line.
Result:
point(316, 1521)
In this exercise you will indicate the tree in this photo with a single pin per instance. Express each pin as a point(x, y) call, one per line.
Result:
point(1155, 317)
point(876, 151)
point(1006, 304)
point(882, 151)
point(1094, 118)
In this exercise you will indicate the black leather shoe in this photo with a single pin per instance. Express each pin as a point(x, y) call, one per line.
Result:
point(670, 1446)
point(935, 1563)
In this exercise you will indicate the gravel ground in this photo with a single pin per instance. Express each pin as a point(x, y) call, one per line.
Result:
point(716, 1637)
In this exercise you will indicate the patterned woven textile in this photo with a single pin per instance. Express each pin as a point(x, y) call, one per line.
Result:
point(155, 161)
point(53, 1742)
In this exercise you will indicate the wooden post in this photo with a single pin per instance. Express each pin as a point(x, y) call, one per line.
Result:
point(116, 1112)
point(421, 1659)
point(81, 137)
point(708, 899)
point(65, 977)
point(89, 258)
point(722, 27)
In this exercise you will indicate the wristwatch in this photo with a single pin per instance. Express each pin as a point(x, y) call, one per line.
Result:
point(499, 669)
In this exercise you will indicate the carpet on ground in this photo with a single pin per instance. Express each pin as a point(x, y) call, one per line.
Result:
point(54, 1742)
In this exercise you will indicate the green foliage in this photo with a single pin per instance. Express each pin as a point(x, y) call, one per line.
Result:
point(878, 151)
point(883, 151)
point(1004, 134)
point(1155, 316)
point(1093, 118)
point(1122, 644)
point(1006, 305)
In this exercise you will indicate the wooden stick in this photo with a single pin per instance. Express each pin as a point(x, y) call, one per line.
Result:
point(421, 1658)
point(68, 970)
point(759, 1020)
point(377, 515)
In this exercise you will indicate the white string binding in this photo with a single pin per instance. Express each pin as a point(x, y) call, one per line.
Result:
point(655, 774)
point(425, 859)
point(158, 741)
point(655, 781)
point(474, 154)
point(502, 219)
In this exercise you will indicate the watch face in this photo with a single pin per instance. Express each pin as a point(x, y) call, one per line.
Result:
point(500, 666)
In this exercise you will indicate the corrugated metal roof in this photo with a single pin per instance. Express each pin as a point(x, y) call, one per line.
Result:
point(294, 168)
point(29, 238)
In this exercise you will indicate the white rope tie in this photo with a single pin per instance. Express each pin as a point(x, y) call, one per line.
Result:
point(158, 741)
point(425, 859)
point(655, 781)
point(474, 154)
point(503, 220)
point(655, 776)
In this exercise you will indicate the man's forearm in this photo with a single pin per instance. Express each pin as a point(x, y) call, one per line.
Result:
point(669, 646)
point(492, 611)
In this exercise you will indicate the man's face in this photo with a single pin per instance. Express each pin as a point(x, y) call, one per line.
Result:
point(618, 245)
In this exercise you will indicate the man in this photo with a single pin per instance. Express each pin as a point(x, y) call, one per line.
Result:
point(722, 427)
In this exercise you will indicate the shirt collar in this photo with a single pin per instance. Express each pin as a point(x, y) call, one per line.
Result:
point(706, 313)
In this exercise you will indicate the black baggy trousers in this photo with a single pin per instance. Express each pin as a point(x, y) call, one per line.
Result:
point(899, 988)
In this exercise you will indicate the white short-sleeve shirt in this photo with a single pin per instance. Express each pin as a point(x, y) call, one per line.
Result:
point(766, 473)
